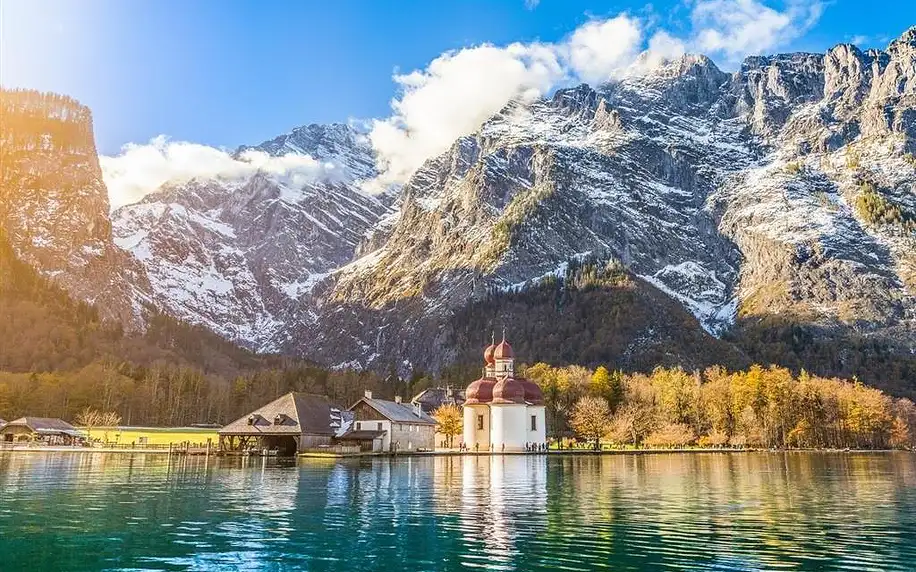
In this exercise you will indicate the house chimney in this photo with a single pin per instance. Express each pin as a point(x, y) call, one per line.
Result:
point(418, 410)
point(368, 394)
point(397, 398)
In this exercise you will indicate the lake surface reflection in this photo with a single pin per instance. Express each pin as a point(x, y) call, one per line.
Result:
point(753, 511)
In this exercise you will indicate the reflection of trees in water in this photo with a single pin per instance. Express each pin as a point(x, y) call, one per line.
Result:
point(732, 511)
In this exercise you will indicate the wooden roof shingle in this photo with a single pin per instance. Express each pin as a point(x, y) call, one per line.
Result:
point(42, 424)
point(292, 414)
point(397, 412)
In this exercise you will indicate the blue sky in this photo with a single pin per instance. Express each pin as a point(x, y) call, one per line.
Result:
point(225, 73)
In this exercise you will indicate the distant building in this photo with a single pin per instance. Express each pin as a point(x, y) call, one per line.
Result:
point(503, 412)
point(2, 423)
point(435, 397)
point(432, 399)
point(291, 424)
point(391, 425)
point(48, 430)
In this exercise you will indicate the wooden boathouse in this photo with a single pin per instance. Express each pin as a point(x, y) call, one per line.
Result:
point(294, 423)
point(48, 430)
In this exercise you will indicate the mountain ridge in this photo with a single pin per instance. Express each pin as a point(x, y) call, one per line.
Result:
point(777, 196)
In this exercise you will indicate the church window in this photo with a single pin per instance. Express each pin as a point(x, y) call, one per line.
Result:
point(534, 422)
point(480, 422)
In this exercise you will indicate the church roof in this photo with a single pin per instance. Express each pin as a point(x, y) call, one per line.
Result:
point(488, 354)
point(480, 391)
point(503, 350)
point(508, 390)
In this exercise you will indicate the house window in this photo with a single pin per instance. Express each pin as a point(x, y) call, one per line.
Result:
point(480, 422)
point(379, 425)
point(357, 425)
point(534, 422)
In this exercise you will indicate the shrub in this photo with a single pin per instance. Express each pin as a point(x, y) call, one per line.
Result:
point(852, 159)
point(872, 207)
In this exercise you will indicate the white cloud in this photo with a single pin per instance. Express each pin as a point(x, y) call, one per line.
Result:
point(736, 28)
point(141, 169)
point(453, 96)
point(459, 90)
point(599, 49)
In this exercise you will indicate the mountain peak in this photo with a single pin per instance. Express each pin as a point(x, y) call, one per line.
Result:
point(341, 144)
point(905, 44)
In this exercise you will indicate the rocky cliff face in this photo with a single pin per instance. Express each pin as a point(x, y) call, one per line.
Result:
point(783, 189)
point(54, 205)
point(239, 255)
point(825, 222)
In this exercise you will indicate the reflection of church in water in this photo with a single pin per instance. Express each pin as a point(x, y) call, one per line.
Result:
point(503, 412)
point(503, 508)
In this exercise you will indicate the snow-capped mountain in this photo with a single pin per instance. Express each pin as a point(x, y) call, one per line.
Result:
point(783, 189)
point(238, 254)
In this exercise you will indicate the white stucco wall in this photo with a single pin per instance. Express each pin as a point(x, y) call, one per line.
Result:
point(472, 435)
point(509, 429)
point(539, 435)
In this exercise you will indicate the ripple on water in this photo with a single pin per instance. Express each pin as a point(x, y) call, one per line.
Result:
point(745, 512)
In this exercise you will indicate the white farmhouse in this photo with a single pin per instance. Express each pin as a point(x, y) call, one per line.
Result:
point(503, 412)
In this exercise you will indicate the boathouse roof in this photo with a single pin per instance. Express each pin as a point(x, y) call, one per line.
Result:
point(44, 425)
point(292, 414)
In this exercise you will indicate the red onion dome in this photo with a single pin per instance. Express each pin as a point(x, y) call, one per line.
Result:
point(480, 391)
point(533, 393)
point(508, 390)
point(503, 350)
point(488, 354)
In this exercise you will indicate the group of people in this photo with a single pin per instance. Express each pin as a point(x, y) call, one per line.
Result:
point(529, 447)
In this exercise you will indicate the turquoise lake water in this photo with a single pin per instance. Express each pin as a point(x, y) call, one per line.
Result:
point(753, 511)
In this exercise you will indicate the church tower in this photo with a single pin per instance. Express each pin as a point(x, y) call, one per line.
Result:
point(504, 359)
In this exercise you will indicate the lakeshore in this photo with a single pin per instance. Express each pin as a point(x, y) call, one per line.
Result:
point(198, 451)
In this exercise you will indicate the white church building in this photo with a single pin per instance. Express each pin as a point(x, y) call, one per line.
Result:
point(503, 412)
